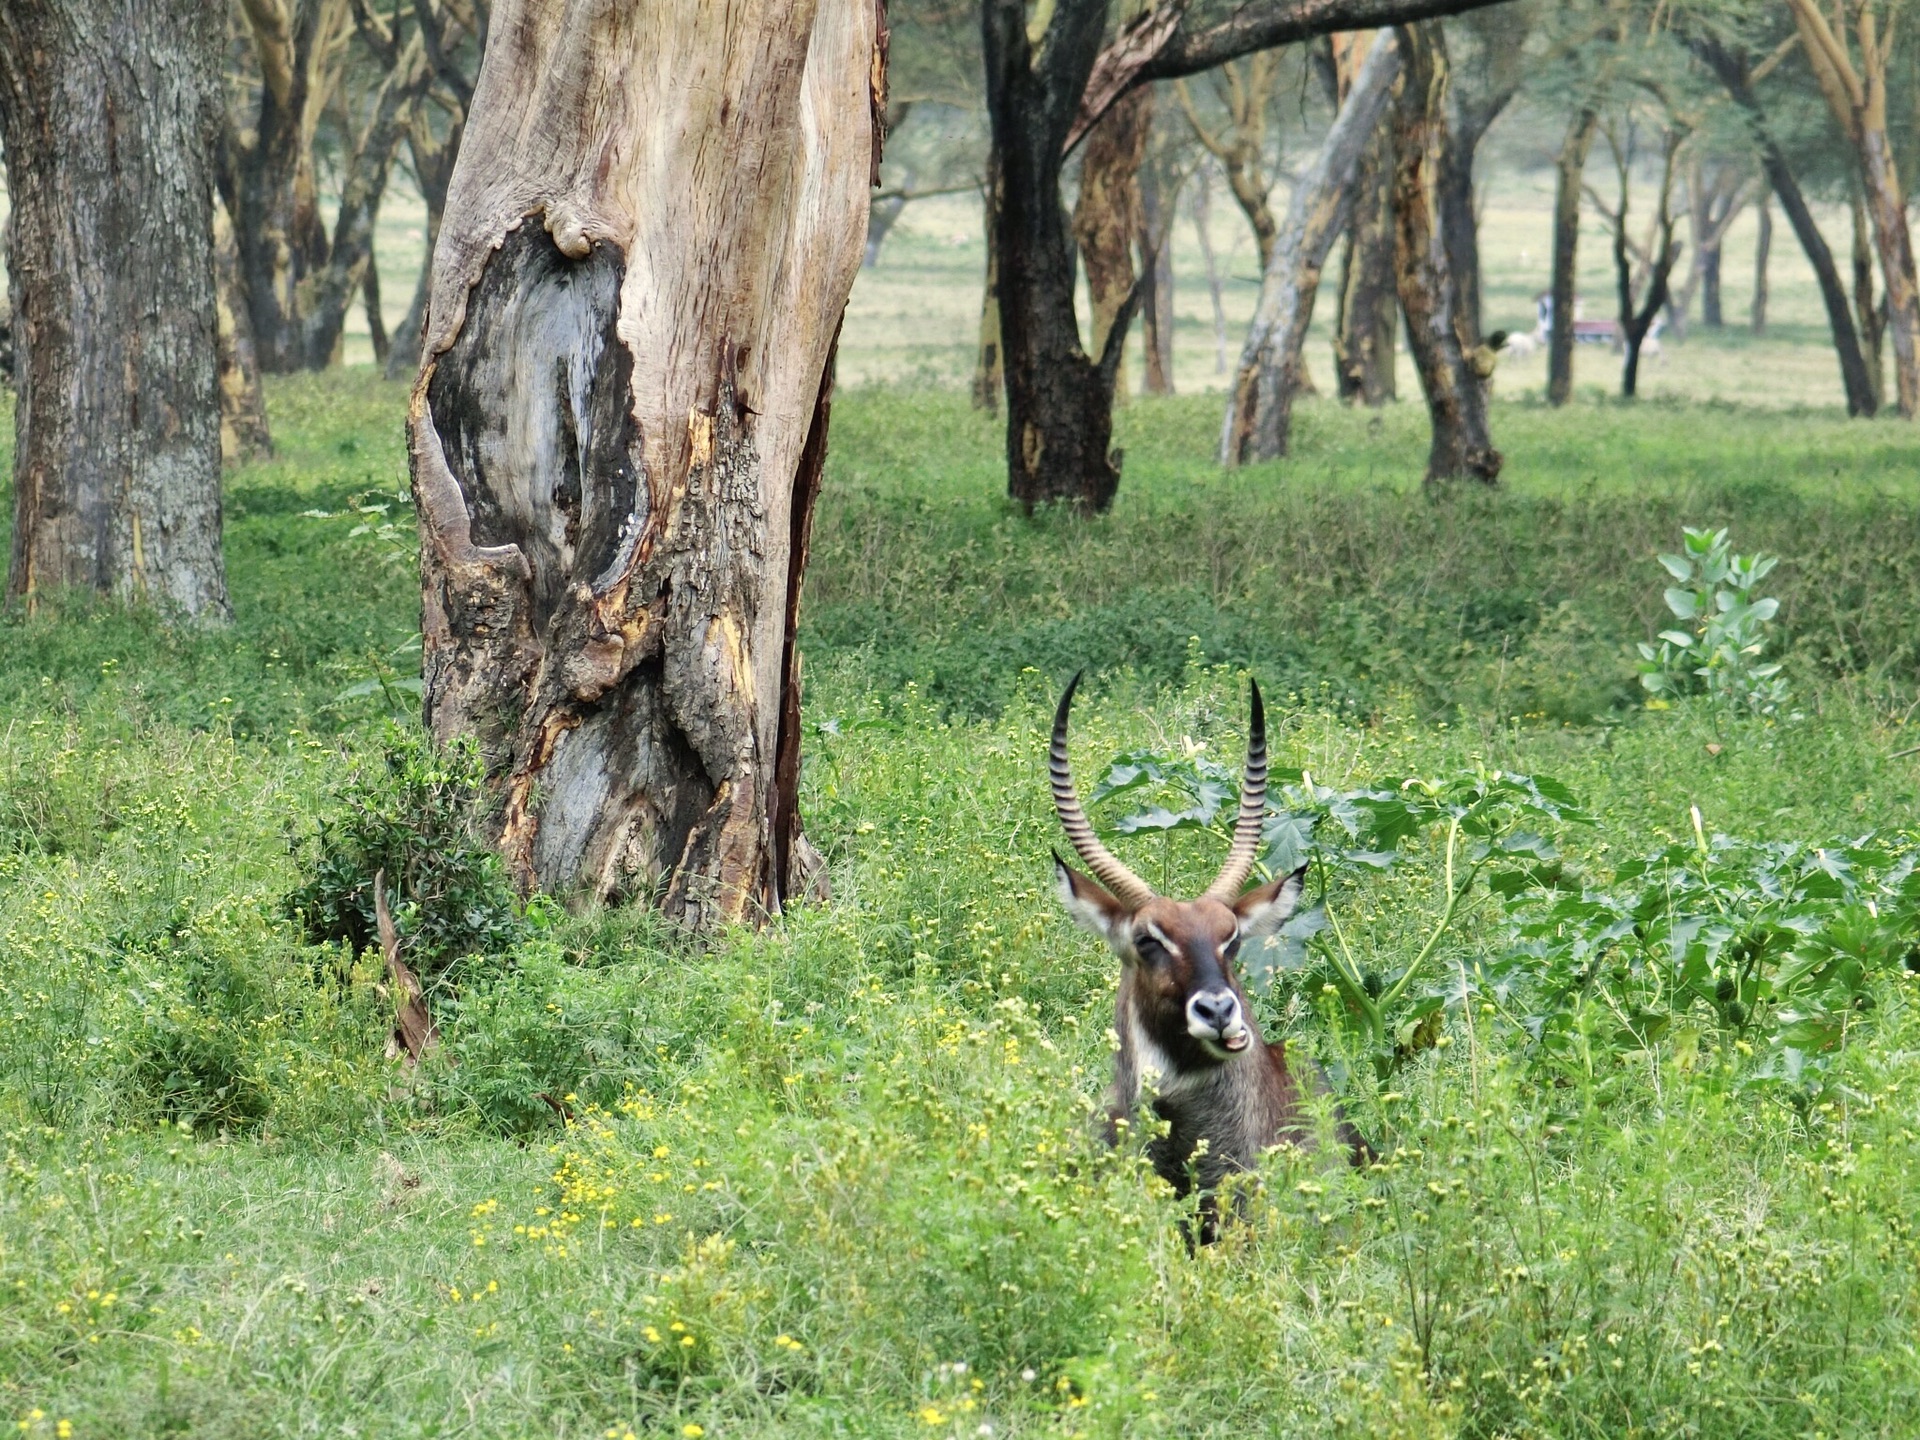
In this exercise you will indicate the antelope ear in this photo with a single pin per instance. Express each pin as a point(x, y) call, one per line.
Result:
point(1091, 907)
point(1265, 908)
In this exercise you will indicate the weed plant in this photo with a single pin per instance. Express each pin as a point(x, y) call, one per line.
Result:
point(837, 1177)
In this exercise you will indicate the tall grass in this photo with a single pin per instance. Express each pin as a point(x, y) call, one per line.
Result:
point(849, 1157)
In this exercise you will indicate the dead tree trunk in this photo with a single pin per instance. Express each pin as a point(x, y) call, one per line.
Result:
point(108, 112)
point(1260, 412)
point(1569, 169)
point(1437, 331)
point(1736, 75)
point(1107, 216)
point(618, 432)
point(1762, 253)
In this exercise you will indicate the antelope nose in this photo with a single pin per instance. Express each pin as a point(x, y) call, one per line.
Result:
point(1215, 1009)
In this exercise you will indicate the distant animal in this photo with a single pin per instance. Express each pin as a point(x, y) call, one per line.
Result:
point(1182, 1017)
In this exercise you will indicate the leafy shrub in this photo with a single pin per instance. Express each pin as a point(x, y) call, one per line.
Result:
point(1772, 948)
point(1720, 655)
point(412, 814)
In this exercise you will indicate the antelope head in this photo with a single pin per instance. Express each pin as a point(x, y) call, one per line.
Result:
point(1177, 956)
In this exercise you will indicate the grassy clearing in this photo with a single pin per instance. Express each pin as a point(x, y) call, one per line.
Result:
point(849, 1157)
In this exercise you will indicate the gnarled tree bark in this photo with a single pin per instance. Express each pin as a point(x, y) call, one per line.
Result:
point(107, 112)
point(1438, 331)
point(619, 428)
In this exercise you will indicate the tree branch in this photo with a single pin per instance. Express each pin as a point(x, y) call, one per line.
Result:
point(1161, 45)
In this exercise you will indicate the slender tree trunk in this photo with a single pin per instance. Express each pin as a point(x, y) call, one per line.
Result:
point(1107, 216)
point(1157, 199)
point(1636, 323)
point(1762, 253)
point(244, 434)
point(376, 322)
point(881, 219)
point(1437, 331)
point(108, 115)
point(1363, 337)
point(1867, 312)
point(1202, 229)
point(987, 358)
point(1732, 70)
point(1260, 412)
point(1569, 167)
point(615, 465)
point(1059, 399)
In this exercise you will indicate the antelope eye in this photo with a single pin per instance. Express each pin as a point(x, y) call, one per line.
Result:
point(1150, 949)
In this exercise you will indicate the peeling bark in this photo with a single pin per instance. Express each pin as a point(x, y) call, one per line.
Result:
point(1108, 214)
point(1437, 328)
point(107, 114)
point(617, 434)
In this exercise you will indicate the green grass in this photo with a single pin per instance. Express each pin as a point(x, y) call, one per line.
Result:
point(850, 1152)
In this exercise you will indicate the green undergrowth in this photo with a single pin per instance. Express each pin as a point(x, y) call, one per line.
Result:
point(837, 1177)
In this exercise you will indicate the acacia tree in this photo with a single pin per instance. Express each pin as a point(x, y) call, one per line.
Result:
point(1369, 311)
point(1855, 87)
point(1259, 412)
point(618, 431)
point(1731, 66)
point(107, 114)
point(1048, 83)
point(1641, 296)
point(299, 279)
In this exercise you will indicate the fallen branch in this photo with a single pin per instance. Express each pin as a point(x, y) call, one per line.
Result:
point(414, 1032)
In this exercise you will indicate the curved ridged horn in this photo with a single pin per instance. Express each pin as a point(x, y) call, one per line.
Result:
point(1128, 888)
point(1253, 809)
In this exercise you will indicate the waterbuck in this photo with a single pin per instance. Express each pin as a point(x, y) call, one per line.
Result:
point(1181, 1013)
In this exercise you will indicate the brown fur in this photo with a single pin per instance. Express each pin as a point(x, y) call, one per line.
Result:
point(1238, 1102)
